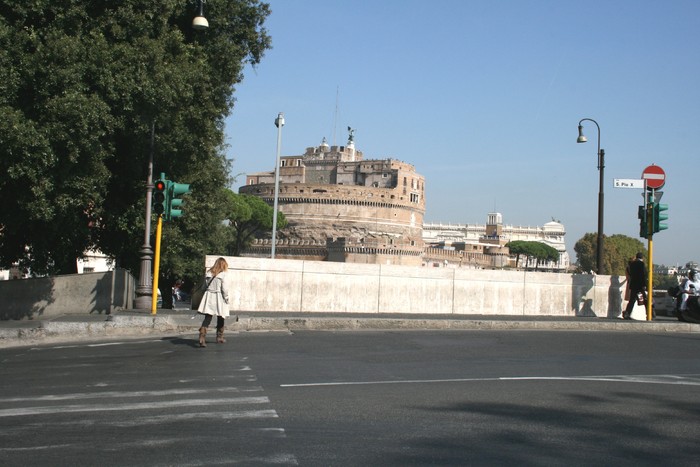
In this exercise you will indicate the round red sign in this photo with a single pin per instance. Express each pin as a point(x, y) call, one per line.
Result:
point(654, 176)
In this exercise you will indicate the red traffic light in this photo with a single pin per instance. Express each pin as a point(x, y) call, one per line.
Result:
point(159, 197)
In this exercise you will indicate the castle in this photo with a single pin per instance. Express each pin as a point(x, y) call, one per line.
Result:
point(341, 207)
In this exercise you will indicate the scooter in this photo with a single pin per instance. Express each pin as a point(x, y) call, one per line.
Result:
point(691, 314)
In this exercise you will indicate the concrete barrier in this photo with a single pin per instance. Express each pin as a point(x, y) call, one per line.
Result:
point(258, 284)
point(45, 297)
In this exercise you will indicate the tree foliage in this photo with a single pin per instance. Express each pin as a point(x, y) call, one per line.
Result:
point(540, 252)
point(248, 216)
point(82, 85)
point(618, 250)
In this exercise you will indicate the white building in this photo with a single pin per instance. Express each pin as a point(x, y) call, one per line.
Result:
point(494, 232)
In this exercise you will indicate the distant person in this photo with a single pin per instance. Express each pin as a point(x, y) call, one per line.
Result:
point(637, 283)
point(689, 288)
point(179, 295)
point(214, 302)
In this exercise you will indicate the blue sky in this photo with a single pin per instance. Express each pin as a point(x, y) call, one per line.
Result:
point(484, 97)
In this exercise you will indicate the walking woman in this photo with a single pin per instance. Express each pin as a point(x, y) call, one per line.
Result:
point(214, 302)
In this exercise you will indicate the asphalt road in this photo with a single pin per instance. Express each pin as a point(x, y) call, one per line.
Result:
point(356, 398)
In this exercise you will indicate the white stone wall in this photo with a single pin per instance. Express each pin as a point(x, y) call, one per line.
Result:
point(258, 284)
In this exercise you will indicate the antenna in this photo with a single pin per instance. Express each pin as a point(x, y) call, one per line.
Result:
point(335, 117)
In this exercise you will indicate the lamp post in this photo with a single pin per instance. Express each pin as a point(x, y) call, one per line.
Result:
point(144, 289)
point(279, 123)
point(601, 169)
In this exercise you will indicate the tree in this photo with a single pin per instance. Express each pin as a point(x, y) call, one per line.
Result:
point(540, 252)
point(248, 217)
point(517, 248)
point(82, 87)
point(618, 251)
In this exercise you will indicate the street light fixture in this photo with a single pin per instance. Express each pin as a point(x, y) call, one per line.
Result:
point(200, 22)
point(279, 123)
point(601, 169)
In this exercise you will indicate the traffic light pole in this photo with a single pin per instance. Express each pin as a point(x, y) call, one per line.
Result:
point(650, 247)
point(650, 287)
point(156, 266)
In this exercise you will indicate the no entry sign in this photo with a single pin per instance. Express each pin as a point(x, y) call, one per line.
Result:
point(654, 176)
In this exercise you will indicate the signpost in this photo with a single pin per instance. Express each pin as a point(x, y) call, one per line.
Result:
point(649, 214)
point(654, 176)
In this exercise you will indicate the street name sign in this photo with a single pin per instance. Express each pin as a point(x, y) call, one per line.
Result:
point(628, 183)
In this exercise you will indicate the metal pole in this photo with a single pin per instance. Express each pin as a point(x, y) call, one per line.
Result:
point(601, 210)
point(156, 268)
point(650, 244)
point(143, 290)
point(279, 123)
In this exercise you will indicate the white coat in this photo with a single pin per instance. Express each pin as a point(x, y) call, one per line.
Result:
point(215, 299)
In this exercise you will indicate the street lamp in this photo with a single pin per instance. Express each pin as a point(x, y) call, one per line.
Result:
point(601, 169)
point(200, 22)
point(144, 288)
point(279, 123)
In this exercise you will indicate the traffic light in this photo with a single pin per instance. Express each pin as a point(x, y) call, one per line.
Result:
point(658, 216)
point(160, 196)
point(643, 225)
point(174, 202)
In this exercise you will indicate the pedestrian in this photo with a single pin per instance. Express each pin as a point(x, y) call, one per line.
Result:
point(689, 288)
point(637, 284)
point(627, 277)
point(214, 302)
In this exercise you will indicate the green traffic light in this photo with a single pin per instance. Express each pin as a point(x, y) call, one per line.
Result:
point(175, 190)
point(658, 216)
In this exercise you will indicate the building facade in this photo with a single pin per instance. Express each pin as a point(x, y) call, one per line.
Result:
point(483, 245)
point(342, 207)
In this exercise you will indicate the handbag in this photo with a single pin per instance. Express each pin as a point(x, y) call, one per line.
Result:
point(640, 298)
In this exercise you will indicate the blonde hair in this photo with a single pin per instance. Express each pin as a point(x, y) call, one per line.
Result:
point(220, 265)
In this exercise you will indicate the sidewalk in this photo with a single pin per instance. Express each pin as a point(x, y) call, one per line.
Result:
point(135, 323)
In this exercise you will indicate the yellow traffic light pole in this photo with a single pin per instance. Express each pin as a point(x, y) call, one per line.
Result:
point(650, 270)
point(156, 265)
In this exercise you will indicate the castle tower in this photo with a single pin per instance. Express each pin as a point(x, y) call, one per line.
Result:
point(342, 207)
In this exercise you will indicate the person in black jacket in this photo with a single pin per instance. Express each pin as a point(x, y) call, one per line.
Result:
point(637, 283)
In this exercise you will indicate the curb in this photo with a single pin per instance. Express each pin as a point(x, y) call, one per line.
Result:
point(136, 325)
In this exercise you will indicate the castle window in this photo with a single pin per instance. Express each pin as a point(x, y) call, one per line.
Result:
point(385, 175)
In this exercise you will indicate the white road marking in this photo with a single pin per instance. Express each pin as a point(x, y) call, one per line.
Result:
point(158, 419)
point(24, 411)
point(689, 380)
point(113, 394)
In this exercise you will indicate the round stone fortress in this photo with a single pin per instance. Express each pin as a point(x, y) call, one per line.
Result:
point(341, 207)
